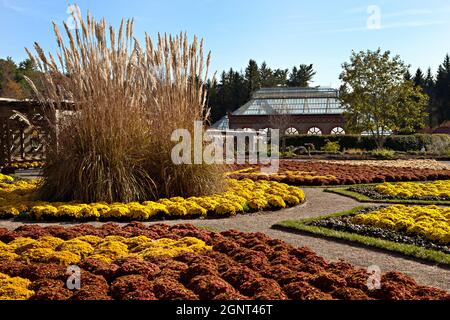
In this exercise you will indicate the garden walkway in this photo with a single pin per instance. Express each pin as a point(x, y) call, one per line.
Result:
point(320, 203)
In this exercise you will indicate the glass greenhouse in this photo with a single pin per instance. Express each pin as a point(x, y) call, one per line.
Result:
point(292, 101)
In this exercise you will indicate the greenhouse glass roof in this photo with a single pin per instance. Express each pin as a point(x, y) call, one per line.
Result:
point(222, 124)
point(294, 101)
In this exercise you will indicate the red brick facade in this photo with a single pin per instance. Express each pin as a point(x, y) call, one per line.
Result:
point(443, 128)
point(302, 123)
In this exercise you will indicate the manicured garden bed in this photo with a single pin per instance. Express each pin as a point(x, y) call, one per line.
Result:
point(28, 165)
point(408, 163)
point(421, 232)
point(130, 263)
point(437, 192)
point(319, 173)
point(364, 156)
point(18, 200)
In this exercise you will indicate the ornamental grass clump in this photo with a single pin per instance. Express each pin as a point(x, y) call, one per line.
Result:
point(122, 102)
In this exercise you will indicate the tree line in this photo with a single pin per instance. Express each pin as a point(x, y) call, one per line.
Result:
point(437, 87)
point(12, 78)
point(233, 88)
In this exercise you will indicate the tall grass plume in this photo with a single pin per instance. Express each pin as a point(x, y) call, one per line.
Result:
point(125, 101)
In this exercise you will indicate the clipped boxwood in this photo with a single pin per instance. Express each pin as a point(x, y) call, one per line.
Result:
point(432, 143)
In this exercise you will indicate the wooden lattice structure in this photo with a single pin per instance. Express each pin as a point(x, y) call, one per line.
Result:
point(23, 131)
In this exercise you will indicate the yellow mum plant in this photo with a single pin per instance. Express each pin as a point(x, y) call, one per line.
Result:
point(14, 288)
point(241, 196)
point(108, 249)
point(431, 222)
point(440, 189)
point(5, 178)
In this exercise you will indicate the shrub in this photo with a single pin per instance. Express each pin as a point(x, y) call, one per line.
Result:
point(383, 153)
point(127, 100)
point(405, 143)
point(354, 151)
point(289, 153)
point(436, 144)
point(332, 147)
point(347, 141)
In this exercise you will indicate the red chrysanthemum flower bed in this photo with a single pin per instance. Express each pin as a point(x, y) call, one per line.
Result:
point(240, 266)
point(323, 173)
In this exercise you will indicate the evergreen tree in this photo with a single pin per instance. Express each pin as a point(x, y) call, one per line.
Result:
point(305, 75)
point(266, 76)
point(429, 80)
point(438, 89)
point(302, 76)
point(280, 77)
point(226, 91)
point(28, 69)
point(442, 88)
point(293, 78)
point(240, 95)
point(408, 76)
point(211, 89)
point(419, 78)
point(430, 90)
point(252, 77)
point(234, 88)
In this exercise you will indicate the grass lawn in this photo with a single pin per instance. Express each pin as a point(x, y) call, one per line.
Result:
point(304, 226)
point(363, 198)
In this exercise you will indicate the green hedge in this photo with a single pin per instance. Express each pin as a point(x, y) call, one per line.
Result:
point(432, 143)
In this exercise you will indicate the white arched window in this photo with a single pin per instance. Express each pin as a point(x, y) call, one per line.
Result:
point(314, 131)
point(338, 131)
point(291, 131)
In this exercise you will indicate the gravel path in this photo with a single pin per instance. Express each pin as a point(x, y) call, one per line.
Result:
point(319, 203)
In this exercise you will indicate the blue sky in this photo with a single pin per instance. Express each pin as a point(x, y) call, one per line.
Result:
point(281, 32)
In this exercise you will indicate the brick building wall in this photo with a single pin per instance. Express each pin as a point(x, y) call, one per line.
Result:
point(326, 123)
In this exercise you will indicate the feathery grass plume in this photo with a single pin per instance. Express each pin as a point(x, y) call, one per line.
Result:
point(115, 143)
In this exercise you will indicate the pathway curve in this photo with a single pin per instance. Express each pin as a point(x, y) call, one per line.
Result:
point(318, 203)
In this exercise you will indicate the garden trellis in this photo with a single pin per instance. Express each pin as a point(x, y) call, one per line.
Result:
point(24, 131)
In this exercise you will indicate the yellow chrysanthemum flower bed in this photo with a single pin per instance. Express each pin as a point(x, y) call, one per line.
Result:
point(440, 189)
point(431, 222)
point(5, 178)
point(305, 176)
point(28, 164)
point(14, 288)
point(242, 196)
point(108, 249)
